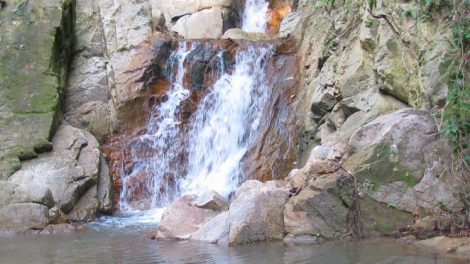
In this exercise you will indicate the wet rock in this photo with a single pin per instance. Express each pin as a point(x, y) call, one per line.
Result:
point(211, 200)
point(256, 213)
point(183, 218)
point(303, 239)
point(87, 207)
point(239, 34)
point(105, 188)
point(62, 229)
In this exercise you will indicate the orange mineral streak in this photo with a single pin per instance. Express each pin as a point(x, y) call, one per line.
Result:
point(276, 16)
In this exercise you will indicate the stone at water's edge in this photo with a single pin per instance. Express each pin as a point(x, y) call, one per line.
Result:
point(56, 187)
point(256, 213)
point(183, 218)
point(35, 53)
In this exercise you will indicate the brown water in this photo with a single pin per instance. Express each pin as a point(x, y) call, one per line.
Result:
point(132, 245)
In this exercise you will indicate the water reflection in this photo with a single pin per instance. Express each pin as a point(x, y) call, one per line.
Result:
point(124, 247)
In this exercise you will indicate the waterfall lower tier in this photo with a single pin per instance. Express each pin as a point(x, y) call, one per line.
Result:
point(177, 154)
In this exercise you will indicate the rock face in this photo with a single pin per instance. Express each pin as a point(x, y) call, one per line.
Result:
point(317, 210)
point(390, 175)
point(64, 181)
point(35, 55)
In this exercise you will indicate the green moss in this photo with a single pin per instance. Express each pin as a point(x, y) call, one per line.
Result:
point(37, 44)
point(381, 217)
point(380, 166)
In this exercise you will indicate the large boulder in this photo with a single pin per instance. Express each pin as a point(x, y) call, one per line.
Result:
point(256, 213)
point(66, 184)
point(402, 161)
point(184, 217)
point(69, 171)
point(215, 231)
point(178, 8)
point(208, 23)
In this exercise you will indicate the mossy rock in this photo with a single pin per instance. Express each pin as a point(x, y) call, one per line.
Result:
point(37, 40)
point(379, 166)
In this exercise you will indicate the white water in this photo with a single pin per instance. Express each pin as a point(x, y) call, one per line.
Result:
point(222, 129)
point(162, 138)
point(226, 124)
point(255, 16)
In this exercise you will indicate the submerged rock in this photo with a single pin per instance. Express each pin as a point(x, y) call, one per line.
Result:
point(454, 246)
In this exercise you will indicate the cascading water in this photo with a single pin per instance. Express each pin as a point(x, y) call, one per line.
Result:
point(224, 126)
point(255, 16)
point(162, 138)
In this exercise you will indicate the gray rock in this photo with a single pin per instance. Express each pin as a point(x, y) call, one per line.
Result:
point(21, 217)
point(289, 24)
point(215, 231)
point(105, 188)
point(211, 200)
point(182, 219)
point(256, 213)
point(207, 23)
point(239, 34)
point(177, 8)
point(68, 172)
point(316, 210)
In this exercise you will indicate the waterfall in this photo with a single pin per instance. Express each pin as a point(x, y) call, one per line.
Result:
point(225, 125)
point(207, 155)
point(162, 139)
point(255, 16)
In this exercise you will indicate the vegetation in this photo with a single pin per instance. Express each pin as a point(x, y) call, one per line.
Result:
point(456, 117)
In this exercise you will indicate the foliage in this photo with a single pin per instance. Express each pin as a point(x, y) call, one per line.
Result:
point(457, 113)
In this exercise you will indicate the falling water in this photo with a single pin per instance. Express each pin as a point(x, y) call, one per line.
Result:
point(162, 138)
point(221, 131)
point(255, 16)
point(226, 124)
